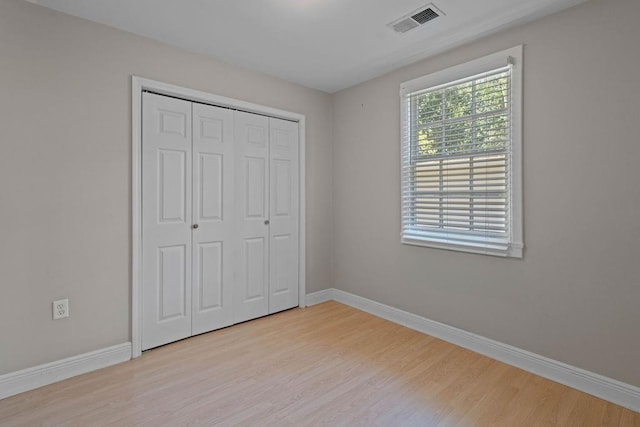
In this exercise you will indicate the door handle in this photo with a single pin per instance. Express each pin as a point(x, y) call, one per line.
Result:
point(266, 222)
point(195, 226)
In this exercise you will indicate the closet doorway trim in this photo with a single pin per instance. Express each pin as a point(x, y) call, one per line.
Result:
point(140, 85)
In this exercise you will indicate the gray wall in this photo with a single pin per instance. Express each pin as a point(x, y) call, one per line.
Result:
point(575, 296)
point(65, 133)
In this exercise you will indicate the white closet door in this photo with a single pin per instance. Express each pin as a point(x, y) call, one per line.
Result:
point(283, 229)
point(213, 215)
point(166, 225)
point(251, 297)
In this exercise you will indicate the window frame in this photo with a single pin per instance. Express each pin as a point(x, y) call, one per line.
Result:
point(514, 57)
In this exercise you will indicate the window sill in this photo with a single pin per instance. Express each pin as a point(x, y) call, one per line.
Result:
point(513, 250)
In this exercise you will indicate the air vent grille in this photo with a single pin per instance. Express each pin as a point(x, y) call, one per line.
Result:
point(425, 16)
point(416, 18)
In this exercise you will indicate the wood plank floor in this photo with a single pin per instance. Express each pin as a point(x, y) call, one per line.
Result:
point(325, 365)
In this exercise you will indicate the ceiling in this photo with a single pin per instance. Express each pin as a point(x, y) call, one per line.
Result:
point(323, 44)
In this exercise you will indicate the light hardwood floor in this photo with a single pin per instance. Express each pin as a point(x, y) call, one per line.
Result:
point(325, 365)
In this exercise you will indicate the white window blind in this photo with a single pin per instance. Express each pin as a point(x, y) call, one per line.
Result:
point(458, 163)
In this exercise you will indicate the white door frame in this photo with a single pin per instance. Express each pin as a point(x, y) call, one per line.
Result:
point(138, 85)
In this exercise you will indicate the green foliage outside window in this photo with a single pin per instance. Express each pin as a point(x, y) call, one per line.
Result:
point(469, 117)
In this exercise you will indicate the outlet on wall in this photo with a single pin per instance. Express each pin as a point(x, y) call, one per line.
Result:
point(60, 309)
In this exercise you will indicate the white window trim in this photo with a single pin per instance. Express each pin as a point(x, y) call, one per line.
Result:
point(514, 56)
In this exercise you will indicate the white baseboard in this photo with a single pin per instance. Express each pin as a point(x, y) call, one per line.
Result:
point(595, 384)
point(319, 297)
point(38, 376)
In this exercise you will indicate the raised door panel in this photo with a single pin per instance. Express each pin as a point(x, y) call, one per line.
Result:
point(282, 187)
point(283, 231)
point(254, 200)
point(166, 224)
point(254, 254)
point(214, 212)
point(172, 186)
point(281, 248)
point(211, 184)
point(251, 297)
point(210, 281)
point(172, 285)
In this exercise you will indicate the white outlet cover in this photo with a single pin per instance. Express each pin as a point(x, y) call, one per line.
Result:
point(60, 309)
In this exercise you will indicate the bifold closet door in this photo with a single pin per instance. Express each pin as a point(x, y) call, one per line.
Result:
point(166, 220)
point(283, 217)
point(219, 218)
point(267, 204)
point(188, 219)
point(251, 292)
point(213, 214)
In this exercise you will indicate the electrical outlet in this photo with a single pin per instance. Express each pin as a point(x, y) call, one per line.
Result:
point(60, 309)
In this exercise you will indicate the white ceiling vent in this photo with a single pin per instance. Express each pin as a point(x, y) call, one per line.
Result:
point(416, 18)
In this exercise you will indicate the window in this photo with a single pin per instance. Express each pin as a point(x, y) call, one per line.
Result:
point(462, 155)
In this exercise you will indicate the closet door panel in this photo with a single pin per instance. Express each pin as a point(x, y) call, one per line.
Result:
point(166, 225)
point(220, 218)
point(251, 298)
point(213, 212)
point(283, 230)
